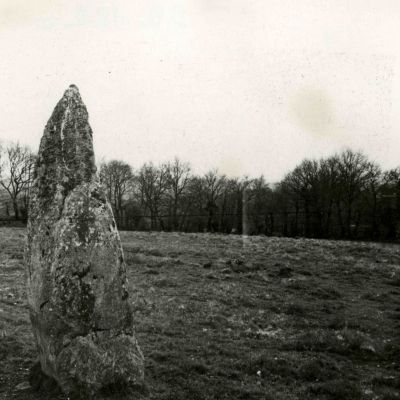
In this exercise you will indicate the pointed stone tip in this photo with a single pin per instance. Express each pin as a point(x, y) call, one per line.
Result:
point(72, 91)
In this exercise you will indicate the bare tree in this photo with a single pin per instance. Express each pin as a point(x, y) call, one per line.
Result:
point(329, 191)
point(347, 183)
point(261, 198)
point(153, 184)
point(302, 183)
point(355, 174)
point(16, 172)
point(117, 178)
point(192, 203)
point(241, 194)
point(212, 185)
point(178, 182)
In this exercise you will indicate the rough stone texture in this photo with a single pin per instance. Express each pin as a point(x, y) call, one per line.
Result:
point(77, 292)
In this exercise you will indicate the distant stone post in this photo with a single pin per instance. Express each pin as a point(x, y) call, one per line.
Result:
point(77, 288)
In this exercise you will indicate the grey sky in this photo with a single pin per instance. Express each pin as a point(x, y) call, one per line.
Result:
point(247, 86)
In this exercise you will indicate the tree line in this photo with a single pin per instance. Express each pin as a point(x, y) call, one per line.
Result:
point(344, 196)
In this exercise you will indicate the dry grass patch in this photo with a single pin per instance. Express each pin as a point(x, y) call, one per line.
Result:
point(224, 317)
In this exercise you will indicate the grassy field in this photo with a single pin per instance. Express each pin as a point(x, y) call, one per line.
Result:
point(226, 317)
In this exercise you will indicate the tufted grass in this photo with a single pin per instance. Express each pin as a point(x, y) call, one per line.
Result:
point(226, 317)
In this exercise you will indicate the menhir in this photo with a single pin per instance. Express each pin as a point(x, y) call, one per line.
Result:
point(77, 287)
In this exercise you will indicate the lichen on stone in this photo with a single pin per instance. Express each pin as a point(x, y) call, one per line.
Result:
point(78, 301)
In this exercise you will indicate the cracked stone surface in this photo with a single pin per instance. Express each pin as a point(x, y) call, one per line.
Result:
point(77, 290)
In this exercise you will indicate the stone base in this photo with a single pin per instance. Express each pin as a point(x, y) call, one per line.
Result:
point(49, 389)
point(42, 383)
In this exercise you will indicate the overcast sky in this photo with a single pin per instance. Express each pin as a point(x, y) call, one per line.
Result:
point(247, 86)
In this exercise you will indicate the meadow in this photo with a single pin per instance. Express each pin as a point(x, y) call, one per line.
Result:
point(232, 317)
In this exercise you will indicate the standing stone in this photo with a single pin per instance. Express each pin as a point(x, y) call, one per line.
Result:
point(77, 287)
